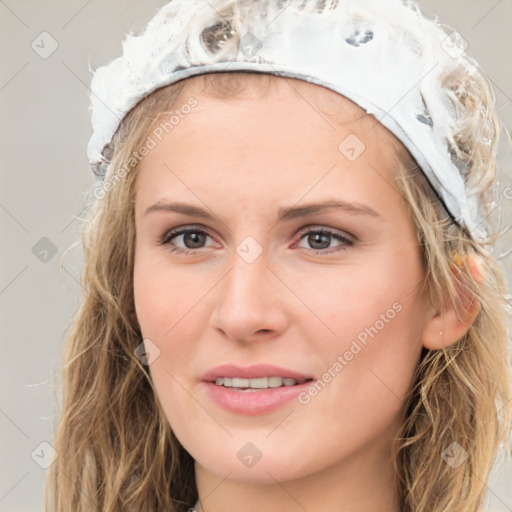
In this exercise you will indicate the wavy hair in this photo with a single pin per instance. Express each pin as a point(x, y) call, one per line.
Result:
point(116, 450)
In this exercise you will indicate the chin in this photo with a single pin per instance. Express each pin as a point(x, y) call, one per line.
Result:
point(266, 468)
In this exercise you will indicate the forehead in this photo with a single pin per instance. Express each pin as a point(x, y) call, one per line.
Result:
point(251, 85)
point(216, 93)
point(254, 131)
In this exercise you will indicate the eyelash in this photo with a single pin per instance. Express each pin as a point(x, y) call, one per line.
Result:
point(169, 235)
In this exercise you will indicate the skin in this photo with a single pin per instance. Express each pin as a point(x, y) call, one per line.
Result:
point(242, 159)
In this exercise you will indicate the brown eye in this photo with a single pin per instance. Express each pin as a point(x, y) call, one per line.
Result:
point(193, 238)
point(321, 239)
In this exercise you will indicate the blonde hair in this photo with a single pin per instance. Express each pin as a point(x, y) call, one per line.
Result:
point(116, 450)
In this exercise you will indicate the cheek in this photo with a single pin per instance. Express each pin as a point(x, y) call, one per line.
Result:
point(352, 298)
point(164, 303)
point(163, 297)
point(368, 354)
point(171, 304)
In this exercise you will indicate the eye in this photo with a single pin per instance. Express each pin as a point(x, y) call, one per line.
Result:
point(194, 238)
point(320, 239)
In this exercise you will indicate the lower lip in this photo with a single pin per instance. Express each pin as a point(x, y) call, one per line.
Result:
point(253, 402)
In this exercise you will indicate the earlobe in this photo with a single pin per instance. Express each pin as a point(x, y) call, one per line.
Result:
point(450, 323)
point(446, 327)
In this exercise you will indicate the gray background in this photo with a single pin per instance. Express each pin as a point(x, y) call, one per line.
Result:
point(44, 171)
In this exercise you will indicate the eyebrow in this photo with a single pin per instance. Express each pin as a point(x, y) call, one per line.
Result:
point(284, 213)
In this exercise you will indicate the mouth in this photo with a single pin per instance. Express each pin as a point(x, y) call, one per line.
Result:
point(255, 384)
point(255, 390)
point(254, 378)
point(256, 395)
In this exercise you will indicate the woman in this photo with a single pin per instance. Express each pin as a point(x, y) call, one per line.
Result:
point(290, 302)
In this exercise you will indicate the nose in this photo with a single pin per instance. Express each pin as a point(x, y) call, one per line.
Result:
point(250, 301)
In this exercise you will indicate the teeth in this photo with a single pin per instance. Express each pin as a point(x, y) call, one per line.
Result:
point(259, 383)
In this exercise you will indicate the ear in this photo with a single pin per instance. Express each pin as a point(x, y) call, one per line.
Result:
point(448, 324)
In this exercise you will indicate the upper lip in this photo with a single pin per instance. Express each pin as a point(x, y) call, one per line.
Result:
point(253, 372)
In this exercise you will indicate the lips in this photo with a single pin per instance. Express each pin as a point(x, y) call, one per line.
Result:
point(254, 372)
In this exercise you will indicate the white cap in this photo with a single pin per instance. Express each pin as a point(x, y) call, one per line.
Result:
point(384, 55)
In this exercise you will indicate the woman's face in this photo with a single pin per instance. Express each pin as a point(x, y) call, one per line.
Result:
point(262, 285)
